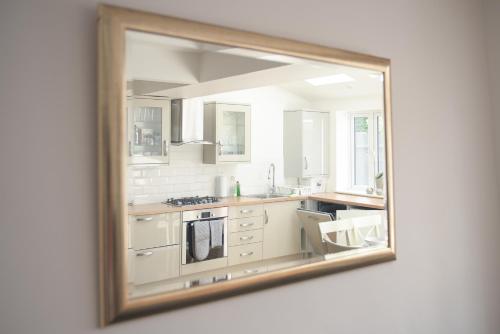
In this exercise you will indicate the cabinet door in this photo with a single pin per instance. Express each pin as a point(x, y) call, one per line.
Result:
point(281, 229)
point(233, 135)
point(148, 130)
point(315, 143)
point(130, 266)
point(155, 230)
point(156, 264)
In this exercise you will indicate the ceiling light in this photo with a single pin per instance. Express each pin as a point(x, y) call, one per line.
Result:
point(331, 79)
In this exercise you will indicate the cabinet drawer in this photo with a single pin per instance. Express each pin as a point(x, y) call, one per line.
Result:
point(130, 264)
point(245, 211)
point(254, 270)
point(155, 230)
point(245, 224)
point(244, 253)
point(152, 265)
point(245, 237)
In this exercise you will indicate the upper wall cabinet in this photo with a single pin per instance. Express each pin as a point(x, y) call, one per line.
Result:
point(228, 127)
point(148, 130)
point(305, 143)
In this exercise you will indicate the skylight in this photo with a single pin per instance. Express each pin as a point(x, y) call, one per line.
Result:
point(331, 79)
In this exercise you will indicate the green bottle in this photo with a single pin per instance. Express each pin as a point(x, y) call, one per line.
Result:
point(238, 191)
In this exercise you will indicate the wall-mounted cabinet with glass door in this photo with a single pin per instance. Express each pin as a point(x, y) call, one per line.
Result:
point(228, 127)
point(148, 130)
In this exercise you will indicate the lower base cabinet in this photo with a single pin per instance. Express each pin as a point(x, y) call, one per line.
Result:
point(155, 264)
point(281, 229)
point(244, 253)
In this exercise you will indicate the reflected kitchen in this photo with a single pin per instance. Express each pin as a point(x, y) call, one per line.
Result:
point(242, 162)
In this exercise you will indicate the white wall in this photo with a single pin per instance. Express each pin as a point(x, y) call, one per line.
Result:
point(446, 277)
point(161, 64)
point(186, 175)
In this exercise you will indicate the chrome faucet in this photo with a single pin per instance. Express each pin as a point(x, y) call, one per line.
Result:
point(273, 187)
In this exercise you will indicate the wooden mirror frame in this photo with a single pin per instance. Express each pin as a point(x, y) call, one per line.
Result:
point(113, 22)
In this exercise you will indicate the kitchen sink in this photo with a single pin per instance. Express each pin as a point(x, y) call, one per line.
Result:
point(266, 195)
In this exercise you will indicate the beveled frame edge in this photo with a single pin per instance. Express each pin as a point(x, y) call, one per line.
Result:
point(112, 23)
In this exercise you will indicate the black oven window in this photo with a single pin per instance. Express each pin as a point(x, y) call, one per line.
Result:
point(214, 253)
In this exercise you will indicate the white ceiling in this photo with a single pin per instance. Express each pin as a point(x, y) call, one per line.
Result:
point(366, 83)
point(285, 72)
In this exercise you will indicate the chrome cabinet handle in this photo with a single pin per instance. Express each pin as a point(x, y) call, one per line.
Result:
point(306, 164)
point(246, 224)
point(165, 151)
point(219, 144)
point(246, 211)
point(246, 254)
point(144, 254)
point(145, 219)
point(129, 148)
point(250, 237)
point(251, 271)
point(266, 217)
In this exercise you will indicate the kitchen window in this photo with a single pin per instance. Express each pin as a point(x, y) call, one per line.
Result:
point(360, 138)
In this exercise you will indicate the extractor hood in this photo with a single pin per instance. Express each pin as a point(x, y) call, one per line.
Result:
point(187, 122)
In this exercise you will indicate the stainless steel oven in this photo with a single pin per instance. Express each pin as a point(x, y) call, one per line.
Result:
point(189, 220)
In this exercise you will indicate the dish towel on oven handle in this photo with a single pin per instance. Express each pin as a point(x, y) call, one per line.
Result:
point(201, 238)
point(216, 232)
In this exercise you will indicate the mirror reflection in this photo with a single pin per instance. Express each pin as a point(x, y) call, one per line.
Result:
point(242, 162)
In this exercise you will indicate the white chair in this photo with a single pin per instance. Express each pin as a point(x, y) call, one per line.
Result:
point(370, 226)
point(326, 240)
point(339, 236)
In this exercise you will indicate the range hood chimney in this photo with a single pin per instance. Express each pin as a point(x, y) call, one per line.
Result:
point(187, 122)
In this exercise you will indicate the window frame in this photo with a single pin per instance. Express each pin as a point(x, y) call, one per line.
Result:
point(373, 153)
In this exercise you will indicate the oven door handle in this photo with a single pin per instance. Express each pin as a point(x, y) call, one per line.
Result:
point(203, 219)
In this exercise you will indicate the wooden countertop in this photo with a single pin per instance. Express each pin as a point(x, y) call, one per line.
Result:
point(158, 208)
point(356, 200)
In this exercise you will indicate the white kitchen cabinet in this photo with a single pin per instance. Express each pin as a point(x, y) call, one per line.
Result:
point(227, 126)
point(156, 264)
point(245, 224)
point(244, 253)
point(149, 231)
point(130, 266)
point(281, 229)
point(148, 130)
point(245, 237)
point(245, 211)
point(155, 252)
point(305, 143)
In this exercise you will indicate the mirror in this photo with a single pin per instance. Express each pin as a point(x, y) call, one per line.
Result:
point(245, 165)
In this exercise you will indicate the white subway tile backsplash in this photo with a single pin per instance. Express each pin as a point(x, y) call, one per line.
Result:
point(151, 172)
point(141, 182)
point(157, 183)
point(135, 173)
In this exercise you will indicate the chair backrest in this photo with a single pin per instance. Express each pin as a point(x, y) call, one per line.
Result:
point(345, 227)
point(310, 220)
point(366, 222)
